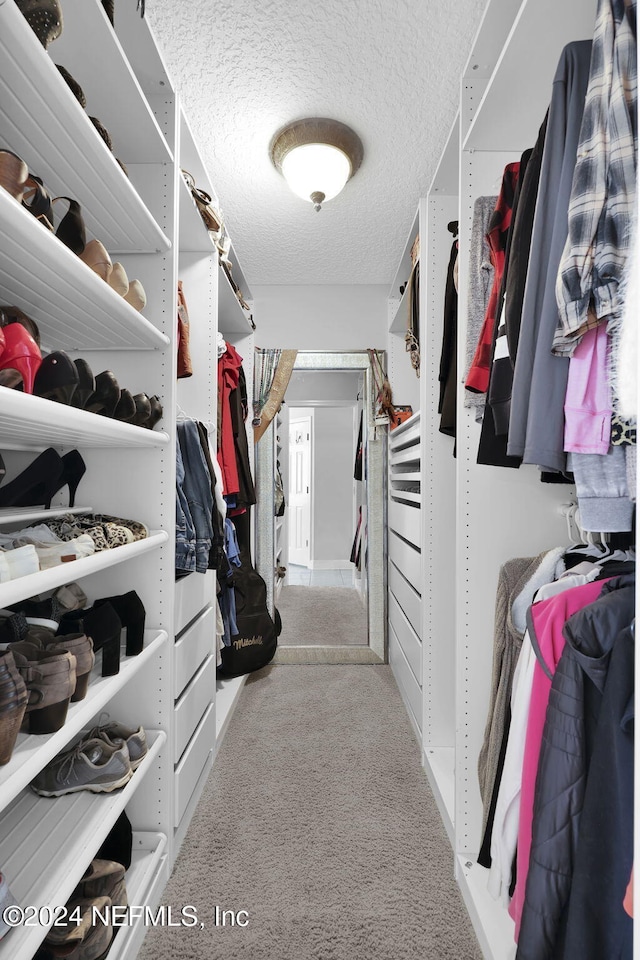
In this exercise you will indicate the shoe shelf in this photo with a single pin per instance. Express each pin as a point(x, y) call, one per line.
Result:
point(400, 320)
point(74, 307)
point(55, 137)
point(31, 753)
point(25, 515)
point(231, 316)
point(28, 422)
point(47, 845)
point(405, 266)
point(36, 583)
point(141, 877)
point(194, 236)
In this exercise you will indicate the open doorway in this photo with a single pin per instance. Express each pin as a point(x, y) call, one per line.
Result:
point(321, 601)
point(328, 544)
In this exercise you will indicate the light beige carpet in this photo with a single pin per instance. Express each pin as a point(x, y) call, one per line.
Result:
point(321, 615)
point(318, 820)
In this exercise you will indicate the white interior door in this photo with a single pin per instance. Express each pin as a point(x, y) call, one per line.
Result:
point(300, 491)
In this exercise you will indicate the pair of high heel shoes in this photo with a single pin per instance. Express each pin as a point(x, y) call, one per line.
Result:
point(103, 623)
point(38, 484)
point(73, 383)
point(30, 191)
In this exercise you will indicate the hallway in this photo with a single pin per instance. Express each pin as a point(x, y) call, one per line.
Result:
point(319, 822)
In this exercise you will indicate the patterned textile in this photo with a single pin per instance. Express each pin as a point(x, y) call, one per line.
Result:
point(478, 377)
point(604, 181)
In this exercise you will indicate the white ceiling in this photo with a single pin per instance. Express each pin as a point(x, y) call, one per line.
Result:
point(388, 68)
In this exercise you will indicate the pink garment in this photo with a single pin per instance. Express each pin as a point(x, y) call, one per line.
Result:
point(546, 620)
point(587, 405)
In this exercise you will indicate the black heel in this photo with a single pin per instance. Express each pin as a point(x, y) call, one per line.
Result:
point(105, 397)
point(57, 378)
point(74, 469)
point(130, 610)
point(48, 719)
point(37, 484)
point(86, 384)
point(103, 625)
point(71, 231)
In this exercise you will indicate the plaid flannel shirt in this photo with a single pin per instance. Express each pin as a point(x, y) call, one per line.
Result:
point(604, 181)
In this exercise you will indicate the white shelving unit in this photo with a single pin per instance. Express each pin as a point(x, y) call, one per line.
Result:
point(148, 220)
point(467, 509)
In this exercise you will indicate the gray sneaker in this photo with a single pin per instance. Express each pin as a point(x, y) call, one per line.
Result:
point(115, 734)
point(92, 765)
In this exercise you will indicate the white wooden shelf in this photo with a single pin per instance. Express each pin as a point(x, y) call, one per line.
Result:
point(404, 267)
point(410, 495)
point(407, 476)
point(493, 926)
point(25, 515)
point(32, 752)
point(400, 321)
point(227, 694)
point(48, 843)
point(445, 181)
point(406, 455)
point(146, 860)
point(55, 136)
point(37, 583)
point(194, 236)
point(398, 436)
point(120, 104)
point(74, 307)
point(439, 763)
point(526, 70)
point(238, 273)
point(232, 318)
point(28, 422)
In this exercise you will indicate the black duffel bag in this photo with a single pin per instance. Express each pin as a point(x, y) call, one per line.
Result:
point(255, 643)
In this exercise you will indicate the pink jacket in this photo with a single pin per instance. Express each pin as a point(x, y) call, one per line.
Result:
point(587, 405)
point(545, 621)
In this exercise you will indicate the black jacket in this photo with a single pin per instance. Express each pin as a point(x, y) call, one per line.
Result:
point(568, 741)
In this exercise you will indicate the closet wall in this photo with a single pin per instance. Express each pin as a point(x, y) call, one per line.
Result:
point(151, 224)
point(322, 316)
point(475, 517)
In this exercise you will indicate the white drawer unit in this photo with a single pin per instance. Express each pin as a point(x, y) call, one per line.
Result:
point(193, 703)
point(407, 637)
point(408, 685)
point(407, 598)
point(187, 772)
point(407, 559)
point(193, 593)
point(193, 647)
point(405, 521)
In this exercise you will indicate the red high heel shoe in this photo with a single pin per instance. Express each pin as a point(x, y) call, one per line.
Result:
point(19, 359)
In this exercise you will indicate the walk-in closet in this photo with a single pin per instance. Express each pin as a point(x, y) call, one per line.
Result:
point(318, 401)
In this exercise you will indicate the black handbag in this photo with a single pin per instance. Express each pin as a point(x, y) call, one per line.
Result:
point(255, 643)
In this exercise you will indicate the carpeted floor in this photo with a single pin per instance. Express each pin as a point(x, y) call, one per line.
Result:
point(321, 615)
point(318, 820)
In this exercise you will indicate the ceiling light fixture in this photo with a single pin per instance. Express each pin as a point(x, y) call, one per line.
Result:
point(316, 157)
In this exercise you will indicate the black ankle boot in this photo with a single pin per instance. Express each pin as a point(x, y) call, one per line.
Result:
point(103, 625)
point(130, 609)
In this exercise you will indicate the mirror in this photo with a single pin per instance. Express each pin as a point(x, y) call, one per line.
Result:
point(322, 555)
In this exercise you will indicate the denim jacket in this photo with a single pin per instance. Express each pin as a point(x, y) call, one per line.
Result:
point(195, 499)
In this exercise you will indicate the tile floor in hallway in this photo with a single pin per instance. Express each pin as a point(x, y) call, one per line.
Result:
point(298, 576)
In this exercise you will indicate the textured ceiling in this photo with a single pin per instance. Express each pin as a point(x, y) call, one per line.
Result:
point(388, 68)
